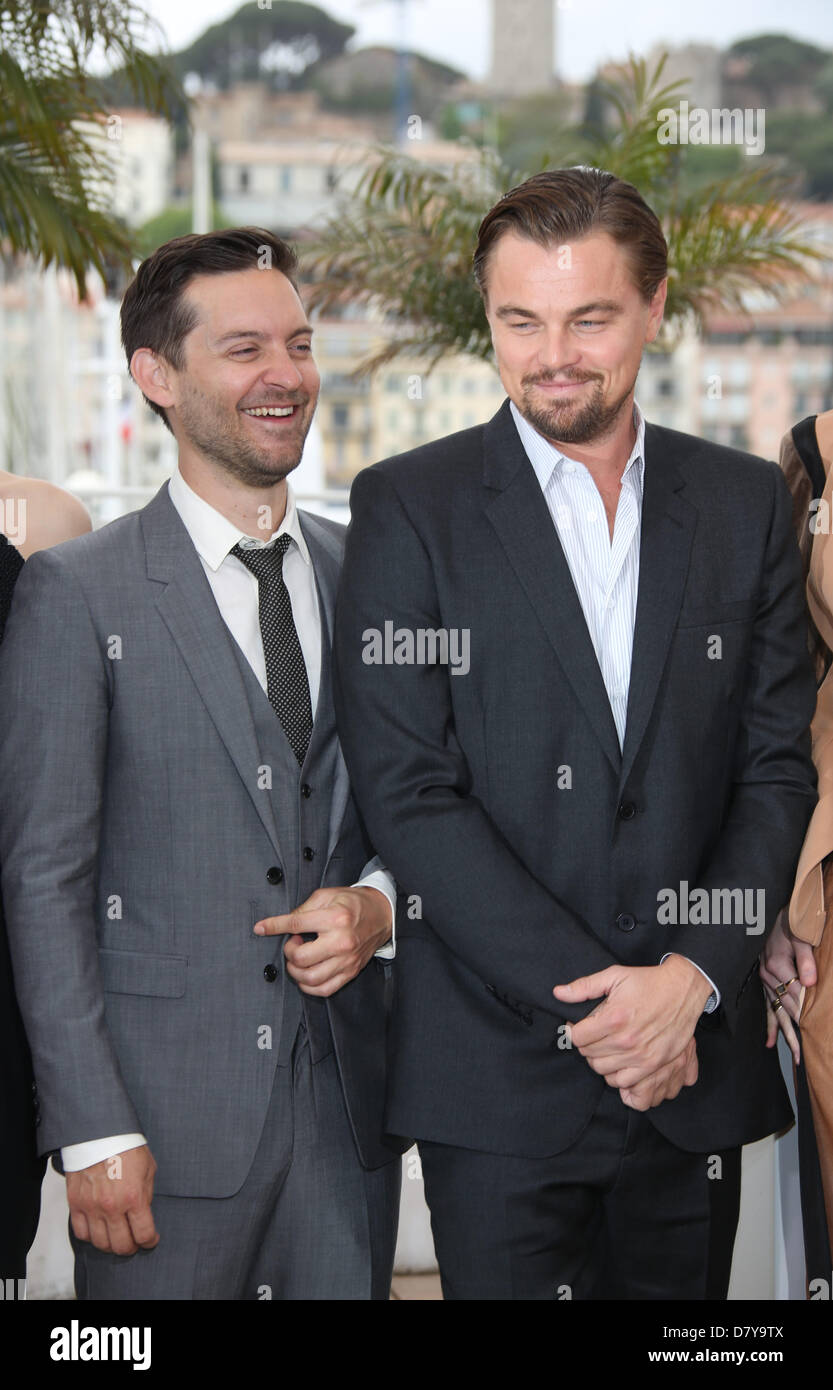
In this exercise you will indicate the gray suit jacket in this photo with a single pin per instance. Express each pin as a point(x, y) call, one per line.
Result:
point(135, 842)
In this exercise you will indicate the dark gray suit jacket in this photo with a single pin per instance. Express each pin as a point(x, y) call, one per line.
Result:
point(519, 881)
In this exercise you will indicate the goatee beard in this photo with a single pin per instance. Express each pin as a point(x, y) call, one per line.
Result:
point(591, 422)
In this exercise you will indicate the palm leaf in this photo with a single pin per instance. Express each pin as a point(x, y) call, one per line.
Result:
point(55, 167)
point(404, 245)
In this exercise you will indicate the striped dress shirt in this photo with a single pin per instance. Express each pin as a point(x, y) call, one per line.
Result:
point(605, 570)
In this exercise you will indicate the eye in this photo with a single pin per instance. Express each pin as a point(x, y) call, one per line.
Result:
point(302, 347)
point(241, 352)
point(591, 323)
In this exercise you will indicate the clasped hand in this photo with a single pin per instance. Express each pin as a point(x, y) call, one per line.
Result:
point(788, 967)
point(640, 1038)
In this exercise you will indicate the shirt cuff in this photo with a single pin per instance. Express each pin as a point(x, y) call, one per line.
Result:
point(77, 1156)
point(713, 1000)
point(375, 875)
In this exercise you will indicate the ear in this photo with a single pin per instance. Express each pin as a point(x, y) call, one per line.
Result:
point(657, 310)
point(152, 375)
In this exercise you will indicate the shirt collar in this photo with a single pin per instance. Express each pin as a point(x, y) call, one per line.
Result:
point(214, 535)
point(545, 457)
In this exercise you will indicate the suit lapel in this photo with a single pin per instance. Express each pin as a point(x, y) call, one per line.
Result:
point(189, 611)
point(668, 525)
point(326, 560)
point(517, 509)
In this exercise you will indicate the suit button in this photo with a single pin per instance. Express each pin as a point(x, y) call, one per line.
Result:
point(34, 1088)
point(274, 875)
point(625, 922)
point(627, 810)
point(306, 789)
point(309, 853)
point(270, 972)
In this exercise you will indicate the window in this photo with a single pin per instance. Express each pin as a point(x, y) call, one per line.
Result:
point(731, 339)
point(814, 337)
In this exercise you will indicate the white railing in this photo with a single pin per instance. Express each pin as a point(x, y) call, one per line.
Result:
point(107, 501)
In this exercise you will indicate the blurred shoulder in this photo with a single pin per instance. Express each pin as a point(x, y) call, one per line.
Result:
point(42, 514)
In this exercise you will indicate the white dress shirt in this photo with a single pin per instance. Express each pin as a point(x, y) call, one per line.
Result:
point(235, 589)
point(605, 572)
point(604, 569)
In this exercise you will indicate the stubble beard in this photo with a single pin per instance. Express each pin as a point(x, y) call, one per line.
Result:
point(570, 424)
point(210, 432)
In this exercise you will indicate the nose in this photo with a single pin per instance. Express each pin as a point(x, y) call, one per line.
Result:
point(555, 350)
point(283, 371)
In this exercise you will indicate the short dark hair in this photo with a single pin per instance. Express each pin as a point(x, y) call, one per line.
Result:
point(154, 312)
point(562, 204)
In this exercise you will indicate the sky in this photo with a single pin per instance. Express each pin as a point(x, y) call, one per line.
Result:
point(588, 32)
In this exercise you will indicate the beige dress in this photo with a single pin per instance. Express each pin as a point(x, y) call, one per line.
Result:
point(812, 900)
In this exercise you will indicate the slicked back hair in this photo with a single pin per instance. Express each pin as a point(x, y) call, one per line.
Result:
point(558, 206)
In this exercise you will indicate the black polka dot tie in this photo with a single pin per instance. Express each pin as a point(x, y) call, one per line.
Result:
point(286, 673)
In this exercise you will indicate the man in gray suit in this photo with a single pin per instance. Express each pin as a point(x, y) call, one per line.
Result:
point(208, 1054)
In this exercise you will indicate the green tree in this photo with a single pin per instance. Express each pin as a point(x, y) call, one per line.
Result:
point(282, 37)
point(54, 162)
point(778, 60)
point(173, 222)
point(803, 144)
point(405, 243)
point(530, 128)
point(823, 86)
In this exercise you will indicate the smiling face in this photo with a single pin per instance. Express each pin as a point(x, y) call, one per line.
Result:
point(568, 328)
point(246, 394)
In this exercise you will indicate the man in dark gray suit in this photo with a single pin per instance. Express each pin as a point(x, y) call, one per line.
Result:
point(193, 922)
point(573, 693)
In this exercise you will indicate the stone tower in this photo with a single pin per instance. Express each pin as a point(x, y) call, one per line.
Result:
point(523, 35)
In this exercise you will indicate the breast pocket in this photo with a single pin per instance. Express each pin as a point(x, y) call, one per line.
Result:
point(716, 614)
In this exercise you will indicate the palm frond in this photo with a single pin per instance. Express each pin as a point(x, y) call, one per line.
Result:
point(55, 165)
point(404, 244)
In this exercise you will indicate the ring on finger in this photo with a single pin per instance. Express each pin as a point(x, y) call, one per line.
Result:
point(782, 987)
